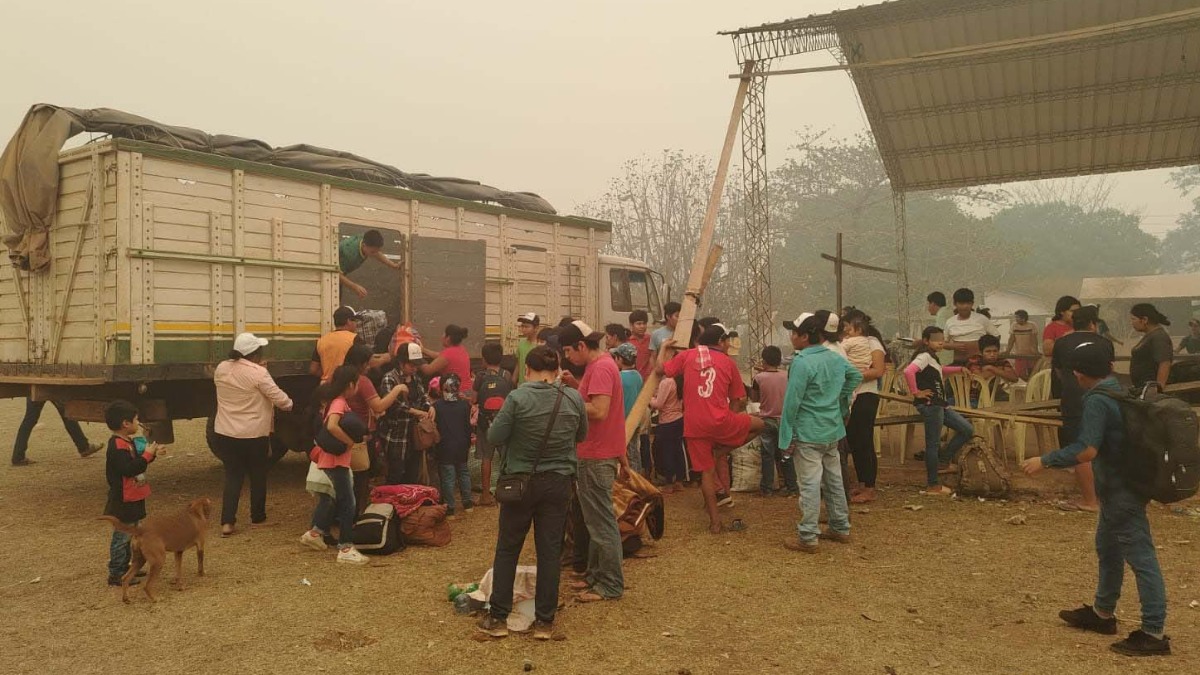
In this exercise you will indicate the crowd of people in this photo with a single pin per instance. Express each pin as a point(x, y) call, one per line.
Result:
point(551, 432)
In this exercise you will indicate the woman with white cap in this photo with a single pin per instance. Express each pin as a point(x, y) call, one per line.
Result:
point(245, 397)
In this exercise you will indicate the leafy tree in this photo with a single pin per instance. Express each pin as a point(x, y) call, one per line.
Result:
point(1181, 246)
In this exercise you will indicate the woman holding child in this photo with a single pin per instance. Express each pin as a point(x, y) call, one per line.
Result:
point(539, 424)
point(865, 352)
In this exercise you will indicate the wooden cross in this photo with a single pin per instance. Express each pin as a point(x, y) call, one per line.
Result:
point(839, 261)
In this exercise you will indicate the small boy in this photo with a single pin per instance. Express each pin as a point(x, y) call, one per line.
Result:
point(631, 386)
point(768, 388)
point(492, 386)
point(988, 365)
point(639, 336)
point(527, 326)
point(964, 329)
point(453, 416)
point(125, 470)
point(1122, 532)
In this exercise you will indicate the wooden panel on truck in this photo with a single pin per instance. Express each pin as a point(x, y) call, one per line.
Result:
point(385, 286)
point(448, 288)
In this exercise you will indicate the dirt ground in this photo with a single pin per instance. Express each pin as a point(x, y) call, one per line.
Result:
point(949, 588)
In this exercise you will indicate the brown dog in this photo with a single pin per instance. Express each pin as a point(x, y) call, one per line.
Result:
point(156, 535)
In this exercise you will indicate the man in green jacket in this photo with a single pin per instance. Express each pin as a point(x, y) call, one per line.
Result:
point(820, 385)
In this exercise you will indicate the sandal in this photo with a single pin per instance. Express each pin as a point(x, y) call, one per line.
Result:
point(227, 530)
point(1074, 506)
point(590, 596)
point(579, 585)
point(939, 491)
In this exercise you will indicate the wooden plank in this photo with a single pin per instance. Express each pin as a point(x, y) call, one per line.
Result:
point(148, 285)
point(93, 411)
point(188, 171)
point(138, 281)
point(277, 276)
point(704, 247)
point(98, 259)
point(239, 250)
point(216, 277)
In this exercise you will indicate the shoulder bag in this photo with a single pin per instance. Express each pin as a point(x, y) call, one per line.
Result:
point(513, 488)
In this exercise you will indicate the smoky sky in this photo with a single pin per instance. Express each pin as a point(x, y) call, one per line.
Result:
point(549, 97)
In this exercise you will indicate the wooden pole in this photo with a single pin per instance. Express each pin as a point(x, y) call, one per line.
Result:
point(837, 273)
point(704, 261)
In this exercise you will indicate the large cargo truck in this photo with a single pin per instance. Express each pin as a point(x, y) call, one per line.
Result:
point(158, 256)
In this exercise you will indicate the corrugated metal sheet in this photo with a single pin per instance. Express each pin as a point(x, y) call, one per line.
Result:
point(965, 92)
point(1141, 288)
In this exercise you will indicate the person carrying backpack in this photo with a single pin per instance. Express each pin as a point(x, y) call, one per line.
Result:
point(492, 386)
point(1123, 531)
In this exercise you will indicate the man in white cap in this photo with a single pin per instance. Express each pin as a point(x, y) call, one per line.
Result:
point(601, 457)
point(820, 384)
point(713, 399)
point(245, 397)
point(528, 325)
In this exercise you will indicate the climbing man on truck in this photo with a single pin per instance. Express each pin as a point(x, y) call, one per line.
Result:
point(353, 251)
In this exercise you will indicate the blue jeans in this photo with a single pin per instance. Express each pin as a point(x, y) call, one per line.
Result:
point(604, 554)
point(119, 554)
point(769, 451)
point(452, 474)
point(820, 468)
point(937, 416)
point(633, 452)
point(343, 506)
point(1123, 536)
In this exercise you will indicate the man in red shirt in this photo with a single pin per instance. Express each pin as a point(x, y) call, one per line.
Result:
point(713, 397)
point(601, 458)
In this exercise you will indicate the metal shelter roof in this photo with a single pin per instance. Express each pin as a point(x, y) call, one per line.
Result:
point(970, 92)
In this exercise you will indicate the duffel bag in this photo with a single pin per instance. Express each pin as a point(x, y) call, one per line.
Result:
point(377, 531)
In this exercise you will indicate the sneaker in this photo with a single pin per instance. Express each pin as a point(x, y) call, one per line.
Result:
point(543, 630)
point(1141, 643)
point(723, 499)
point(467, 508)
point(116, 581)
point(830, 535)
point(1086, 618)
point(92, 449)
point(314, 540)
point(491, 626)
point(351, 556)
point(800, 546)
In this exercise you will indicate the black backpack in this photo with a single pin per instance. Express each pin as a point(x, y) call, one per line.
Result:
point(493, 388)
point(377, 530)
point(1162, 457)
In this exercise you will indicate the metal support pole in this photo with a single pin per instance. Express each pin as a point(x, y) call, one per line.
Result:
point(902, 304)
point(758, 237)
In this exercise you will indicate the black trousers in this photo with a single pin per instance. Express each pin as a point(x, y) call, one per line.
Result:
point(545, 507)
point(33, 412)
point(860, 437)
point(244, 457)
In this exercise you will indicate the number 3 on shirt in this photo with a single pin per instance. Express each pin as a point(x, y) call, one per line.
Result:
point(709, 375)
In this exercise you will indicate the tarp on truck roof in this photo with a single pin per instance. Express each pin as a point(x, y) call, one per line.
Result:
point(29, 169)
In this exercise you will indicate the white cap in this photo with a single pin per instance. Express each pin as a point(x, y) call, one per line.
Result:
point(793, 325)
point(724, 330)
point(528, 317)
point(831, 326)
point(411, 352)
point(248, 343)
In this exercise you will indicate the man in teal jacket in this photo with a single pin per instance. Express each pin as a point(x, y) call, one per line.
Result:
point(820, 385)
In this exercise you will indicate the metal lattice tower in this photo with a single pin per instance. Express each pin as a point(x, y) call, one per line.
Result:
point(758, 237)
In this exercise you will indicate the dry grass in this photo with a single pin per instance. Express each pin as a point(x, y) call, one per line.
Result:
point(950, 588)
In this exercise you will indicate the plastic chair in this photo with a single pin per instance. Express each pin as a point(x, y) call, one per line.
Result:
point(887, 384)
point(897, 408)
point(991, 430)
point(1038, 389)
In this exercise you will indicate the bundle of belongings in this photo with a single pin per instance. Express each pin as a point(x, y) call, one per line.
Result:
point(422, 518)
point(639, 509)
point(524, 589)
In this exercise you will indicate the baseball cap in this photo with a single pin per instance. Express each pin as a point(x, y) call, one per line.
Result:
point(1091, 359)
point(248, 343)
point(626, 351)
point(530, 318)
point(576, 332)
point(410, 353)
point(831, 326)
point(795, 324)
point(345, 314)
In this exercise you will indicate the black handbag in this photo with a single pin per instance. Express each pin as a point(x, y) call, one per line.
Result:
point(513, 488)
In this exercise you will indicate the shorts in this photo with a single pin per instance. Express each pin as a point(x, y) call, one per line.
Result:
point(485, 449)
point(731, 435)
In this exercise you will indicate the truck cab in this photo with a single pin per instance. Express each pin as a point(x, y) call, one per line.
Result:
point(626, 285)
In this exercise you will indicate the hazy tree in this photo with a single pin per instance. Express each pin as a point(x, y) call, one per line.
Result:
point(657, 205)
point(1181, 246)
